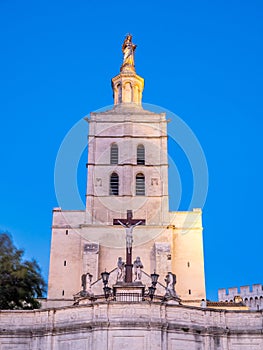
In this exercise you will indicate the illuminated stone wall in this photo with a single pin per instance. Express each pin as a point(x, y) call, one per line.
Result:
point(134, 326)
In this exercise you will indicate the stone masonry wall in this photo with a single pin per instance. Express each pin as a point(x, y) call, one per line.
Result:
point(130, 326)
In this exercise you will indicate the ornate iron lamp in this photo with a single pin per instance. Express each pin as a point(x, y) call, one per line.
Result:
point(105, 277)
point(151, 292)
point(152, 288)
point(154, 277)
point(107, 292)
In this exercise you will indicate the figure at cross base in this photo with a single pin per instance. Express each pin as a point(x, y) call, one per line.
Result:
point(120, 270)
point(128, 229)
point(137, 269)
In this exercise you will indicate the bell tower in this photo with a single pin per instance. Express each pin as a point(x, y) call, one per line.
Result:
point(127, 162)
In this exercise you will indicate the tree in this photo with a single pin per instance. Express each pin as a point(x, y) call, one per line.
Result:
point(20, 281)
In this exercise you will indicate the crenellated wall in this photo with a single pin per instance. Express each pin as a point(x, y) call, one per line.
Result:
point(131, 326)
point(251, 295)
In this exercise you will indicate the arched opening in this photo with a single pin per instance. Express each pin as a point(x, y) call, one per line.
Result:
point(140, 185)
point(114, 154)
point(127, 93)
point(257, 303)
point(135, 94)
point(251, 302)
point(114, 184)
point(119, 93)
point(140, 155)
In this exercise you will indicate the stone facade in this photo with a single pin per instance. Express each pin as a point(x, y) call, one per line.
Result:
point(252, 296)
point(143, 325)
point(127, 169)
point(89, 241)
point(166, 247)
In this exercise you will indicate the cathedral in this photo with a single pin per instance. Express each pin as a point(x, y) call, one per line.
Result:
point(127, 171)
point(127, 273)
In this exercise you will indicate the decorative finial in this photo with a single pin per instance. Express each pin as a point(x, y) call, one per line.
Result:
point(127, 86)
point(128, 49)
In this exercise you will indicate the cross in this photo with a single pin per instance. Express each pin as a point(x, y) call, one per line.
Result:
point(128, 220)
point(129, 223)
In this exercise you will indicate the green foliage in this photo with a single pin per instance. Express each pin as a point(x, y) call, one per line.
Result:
point(20, 281)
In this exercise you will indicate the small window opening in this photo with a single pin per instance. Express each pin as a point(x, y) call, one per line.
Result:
point(114, 154)
point(188, 264)
point(63, 292)
point(189, 291)
point(140, 185)
point(66, 232)
point(140, 155)
point(65, 263)
point(114, 184)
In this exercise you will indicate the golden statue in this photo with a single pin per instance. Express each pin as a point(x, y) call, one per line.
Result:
point(128, 49)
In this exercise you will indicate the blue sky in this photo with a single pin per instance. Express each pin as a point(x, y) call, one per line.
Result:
point(202, 60)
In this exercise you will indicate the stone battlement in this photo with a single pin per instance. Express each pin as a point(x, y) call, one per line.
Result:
point(225, 294)
point(251, 295)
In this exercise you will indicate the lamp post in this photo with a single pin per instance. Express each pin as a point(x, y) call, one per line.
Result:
point(105, 279)
point(154, 277)
point(151, 292)
point(107, 292)
point(152, 288)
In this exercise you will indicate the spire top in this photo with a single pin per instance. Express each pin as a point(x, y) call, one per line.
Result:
point(128, 49)
point(127, 85)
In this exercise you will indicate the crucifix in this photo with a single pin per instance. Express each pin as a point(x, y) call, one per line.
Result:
point(129, 223)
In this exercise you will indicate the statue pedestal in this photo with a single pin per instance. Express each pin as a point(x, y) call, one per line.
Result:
point(130, 292)
point(128, 271)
